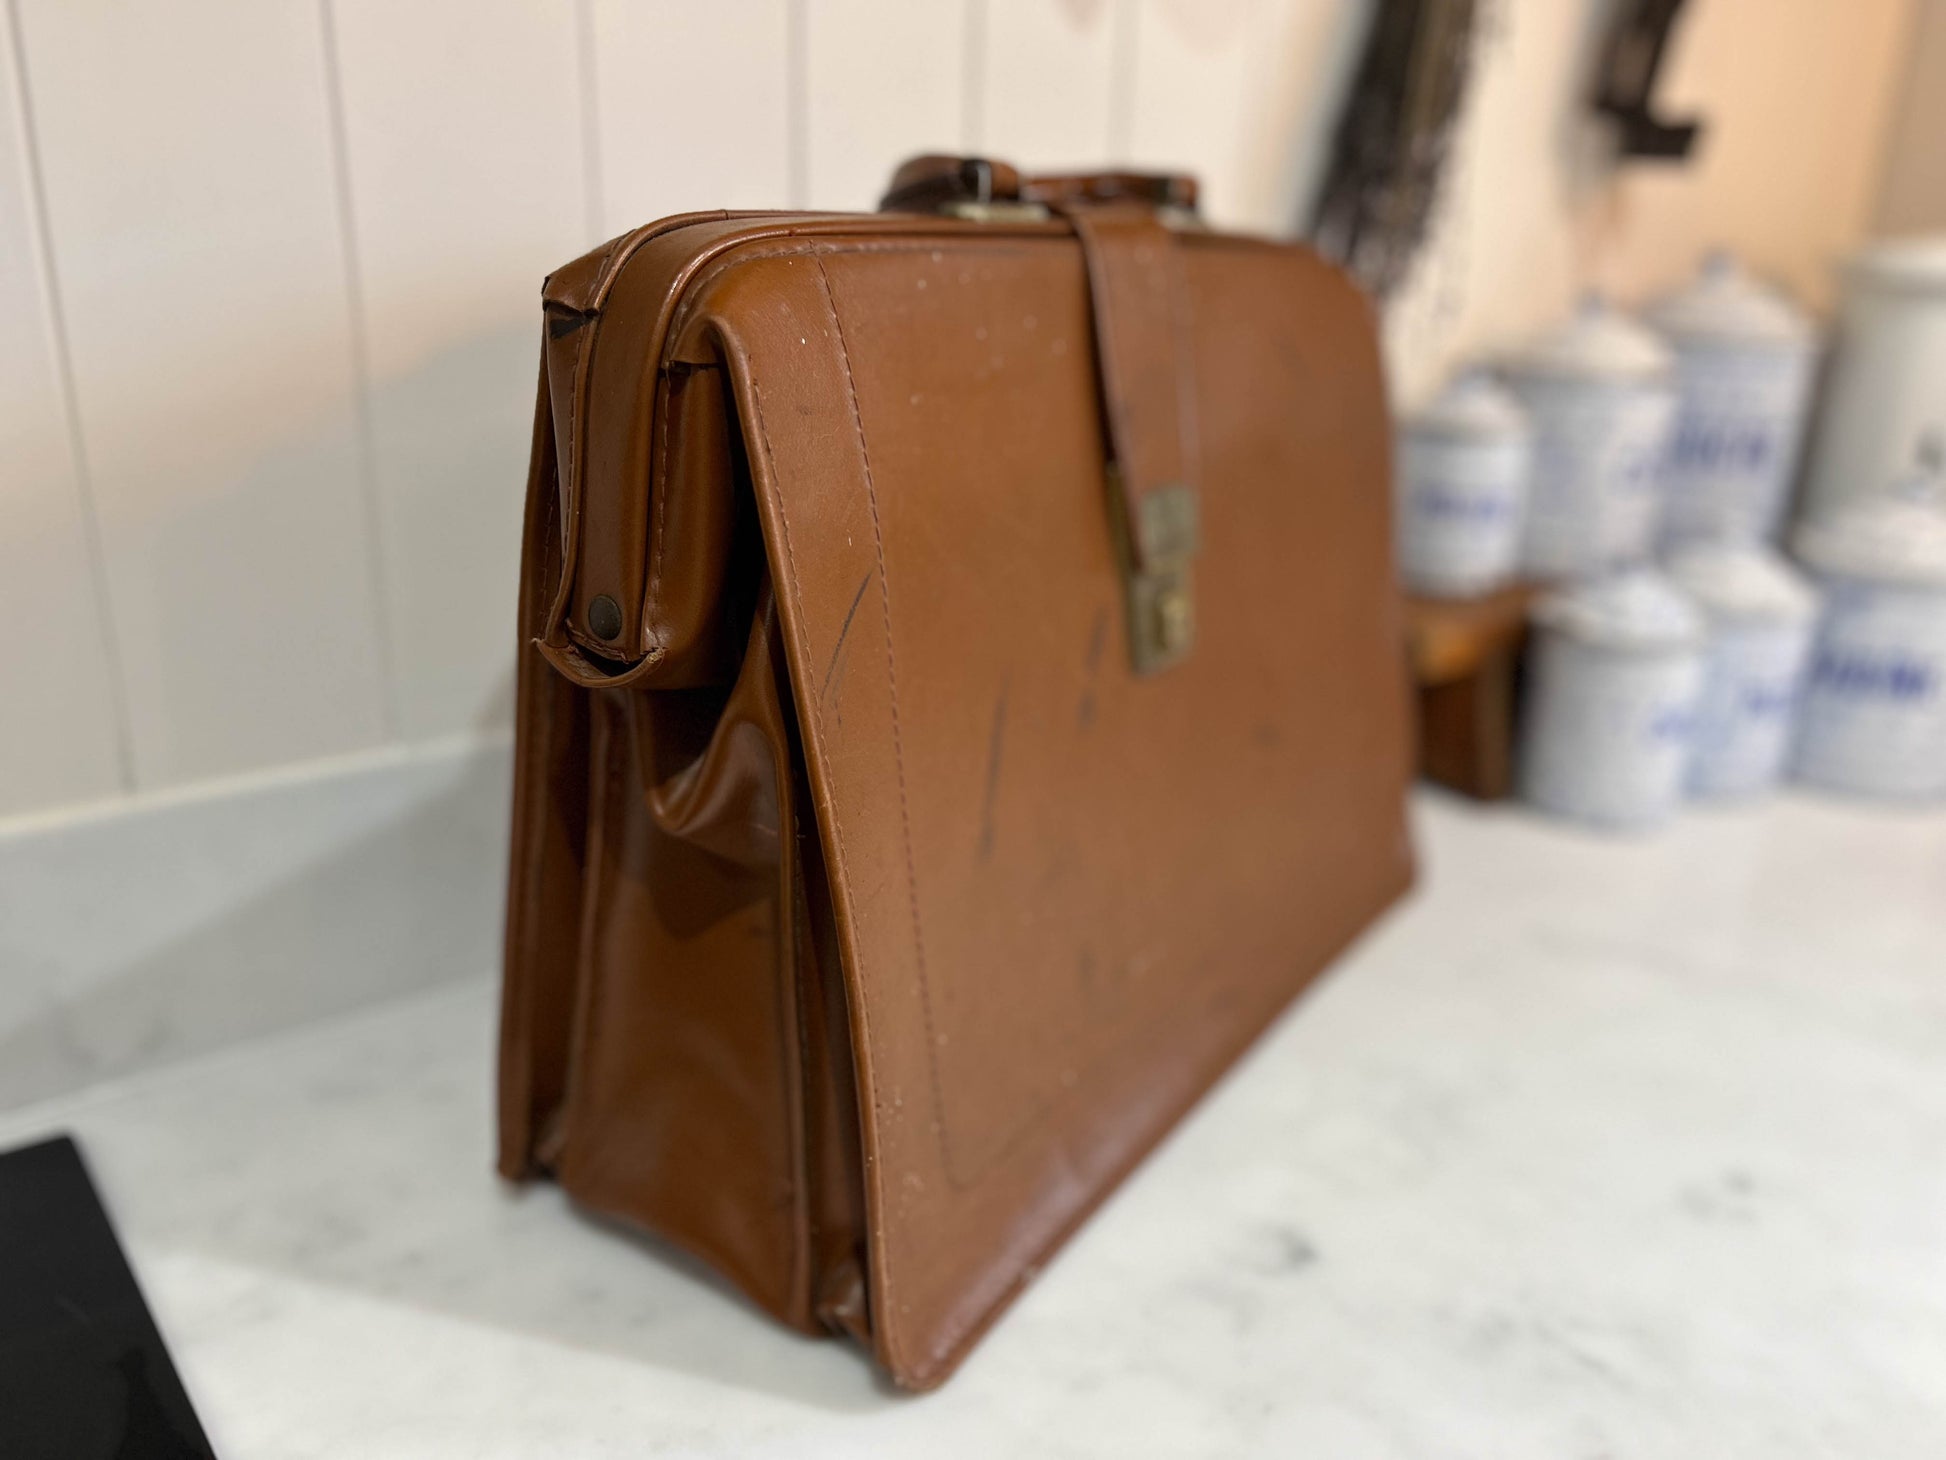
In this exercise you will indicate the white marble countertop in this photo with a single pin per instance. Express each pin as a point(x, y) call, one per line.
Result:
point(1594, 1149)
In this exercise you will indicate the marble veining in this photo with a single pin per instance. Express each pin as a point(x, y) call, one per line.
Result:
point(1594, 1149)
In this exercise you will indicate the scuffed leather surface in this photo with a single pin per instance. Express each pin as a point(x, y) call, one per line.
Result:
point(1020, 907)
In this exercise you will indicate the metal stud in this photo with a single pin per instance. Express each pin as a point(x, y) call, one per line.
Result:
point(605, 619)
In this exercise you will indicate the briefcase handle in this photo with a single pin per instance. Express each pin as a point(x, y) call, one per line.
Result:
point(981, 187)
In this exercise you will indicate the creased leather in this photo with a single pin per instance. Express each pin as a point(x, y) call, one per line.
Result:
point(869, 919)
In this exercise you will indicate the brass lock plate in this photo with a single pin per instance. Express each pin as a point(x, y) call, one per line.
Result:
point(1160, 589)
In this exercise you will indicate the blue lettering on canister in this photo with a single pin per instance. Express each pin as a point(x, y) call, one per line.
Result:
point(1888, 676)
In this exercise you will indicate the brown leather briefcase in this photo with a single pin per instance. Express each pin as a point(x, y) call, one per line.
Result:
point(961, 701)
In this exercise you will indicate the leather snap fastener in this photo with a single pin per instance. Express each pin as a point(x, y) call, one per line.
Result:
point(604, 618)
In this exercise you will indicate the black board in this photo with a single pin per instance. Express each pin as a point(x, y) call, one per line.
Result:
point(84, 1374)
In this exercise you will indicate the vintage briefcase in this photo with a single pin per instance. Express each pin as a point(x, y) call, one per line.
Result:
point(961, 701)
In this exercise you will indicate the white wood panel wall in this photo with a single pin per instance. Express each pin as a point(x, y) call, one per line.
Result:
point(1048, 93)
point(465, 182)
point(884, 79)
point(264, 396)
point(692, 106)
point(1192, 65)
point(186, 159)
point(59, 721)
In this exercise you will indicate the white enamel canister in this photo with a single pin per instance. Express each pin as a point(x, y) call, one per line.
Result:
point(1761, 617)
point(1874, 715)
point(1612, 699)
point(1886, 388)
point(1598, 395)
point(1462, 475)
point(1745, 360)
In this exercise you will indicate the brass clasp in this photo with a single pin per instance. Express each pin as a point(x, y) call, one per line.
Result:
point(1157, 581)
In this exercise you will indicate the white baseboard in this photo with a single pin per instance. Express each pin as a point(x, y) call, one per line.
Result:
point(137, 933)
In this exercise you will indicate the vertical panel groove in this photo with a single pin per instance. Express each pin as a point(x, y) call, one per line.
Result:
point(376, 538)
point(973, 102)
point(50, 283)
point(584, 50)
point(1121, 80)
point(797, 109)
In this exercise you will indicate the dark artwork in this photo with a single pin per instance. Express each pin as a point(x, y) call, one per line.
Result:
point(1636, 46)
point(83, 1371)
point(1393, 138)
point(1395, 132)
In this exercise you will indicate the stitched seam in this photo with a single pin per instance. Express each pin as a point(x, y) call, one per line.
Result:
point(799, 247)
point(584, 359)
point(571, 525)
point(530, 771)
point(898, 745)
point(585, 1040)
point(607, 258)
point(660, 486)
point(798, 1038)
point(867, 1171)
point(788, 1018)
point(788, 1008)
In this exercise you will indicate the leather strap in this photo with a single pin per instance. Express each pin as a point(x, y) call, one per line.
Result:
point(935, 181)
point(1159, 189)
point(1139, 300)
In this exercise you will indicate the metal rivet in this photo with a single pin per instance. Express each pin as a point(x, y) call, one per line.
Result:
point(1172, 612)
point(605, 618)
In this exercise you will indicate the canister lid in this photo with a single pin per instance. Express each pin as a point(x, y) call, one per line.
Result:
point(1744, 581)
point(1897, 536)
point(1917, 262)
point(1471, 408)
point(1630, 608)
point(1723, 304)
point(1598, 343)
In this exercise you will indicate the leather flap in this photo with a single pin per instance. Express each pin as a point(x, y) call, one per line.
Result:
point(1066, 896)
point(1139, 306)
